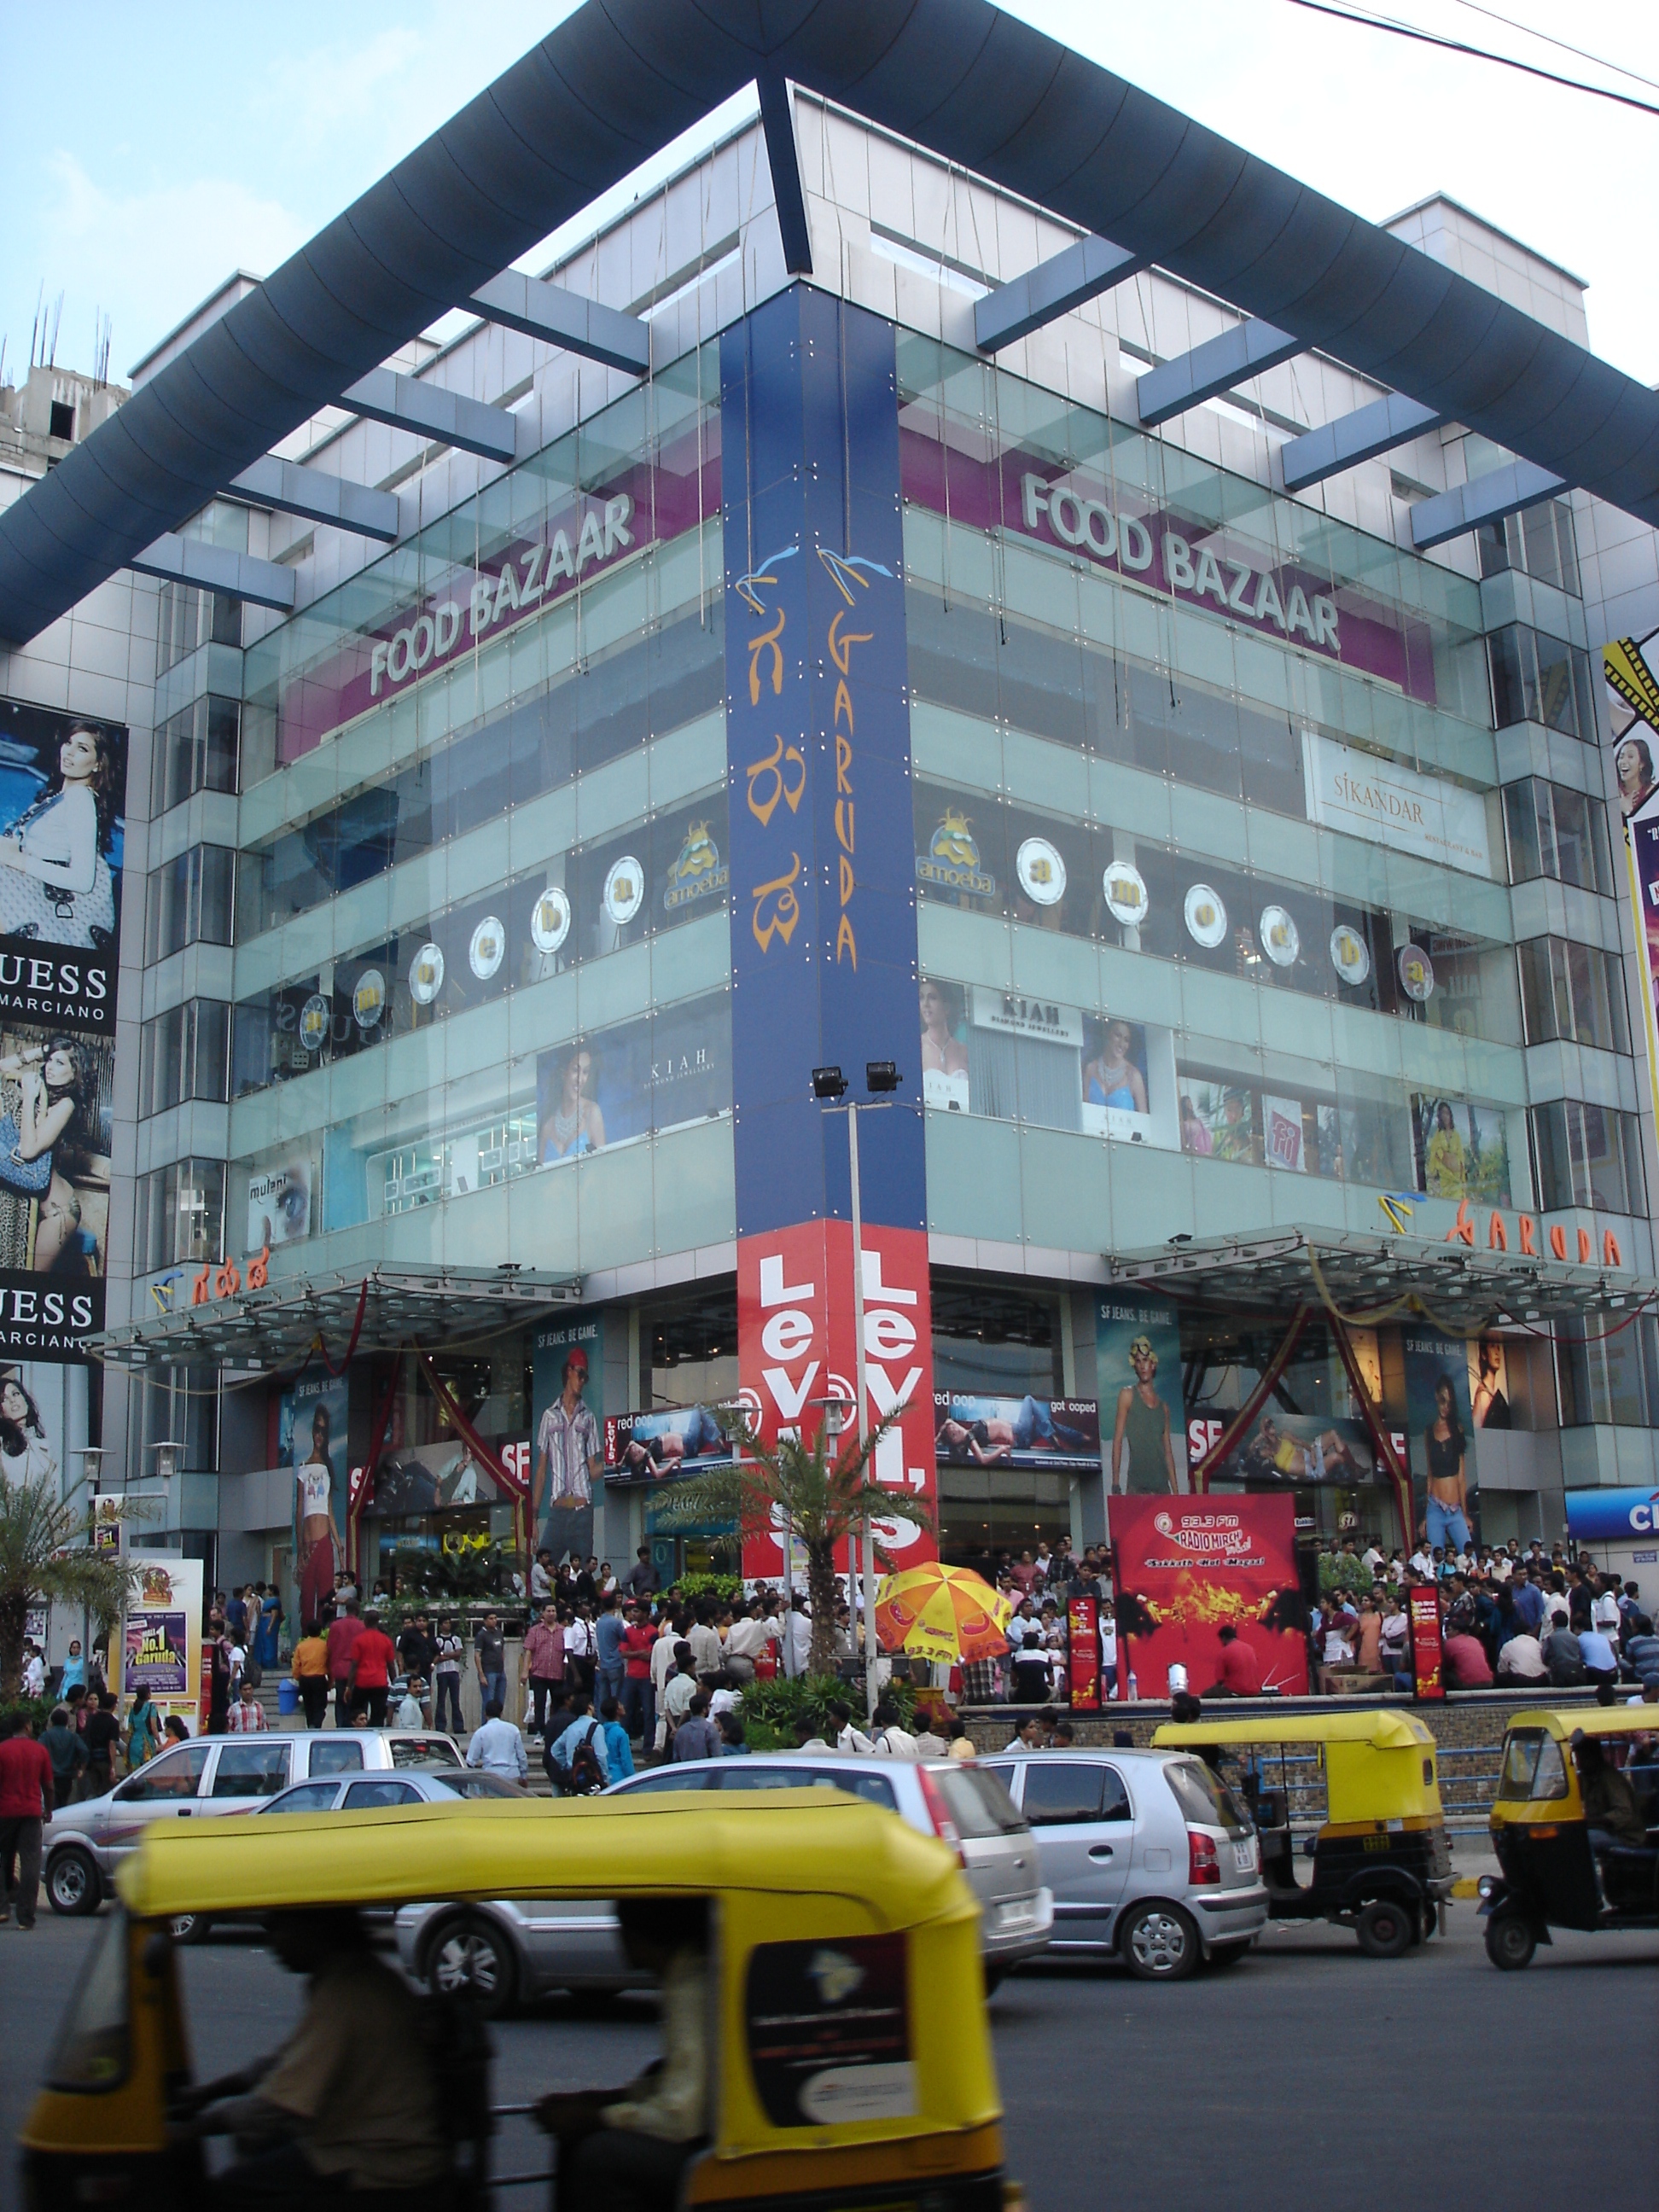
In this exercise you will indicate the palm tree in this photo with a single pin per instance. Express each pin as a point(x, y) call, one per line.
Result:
point(797, 1487)
point(44, 1556)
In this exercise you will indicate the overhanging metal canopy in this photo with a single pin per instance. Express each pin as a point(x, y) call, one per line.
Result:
point(276, 1327)
point(1472, 1290)
point(618, 80)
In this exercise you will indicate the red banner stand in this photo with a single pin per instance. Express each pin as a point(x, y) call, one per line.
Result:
point(1083, 1661)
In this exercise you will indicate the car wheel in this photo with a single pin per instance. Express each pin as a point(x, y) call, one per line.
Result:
point(74, 1884)
point(1384, 1929)
point(1160, 1943)
point(189, 1927)
point(470, 1959)
point(1228, 1954)
point(1510, 1942)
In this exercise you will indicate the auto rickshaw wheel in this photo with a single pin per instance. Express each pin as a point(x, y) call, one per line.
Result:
point(1160, 1943)
point(1510, 1942)
point(469, 1959)
point(1384, 1929)
point(74, 1884)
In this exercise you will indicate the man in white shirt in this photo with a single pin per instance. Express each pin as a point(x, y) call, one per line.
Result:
point(1422, 1562)
point(1604, 1614)
point(847, 1738)
point(746, 1640)
point(1521, 1659)
point(798, 1636)
point(892, 1740)
point(497, 1748)
point(1371, 1559)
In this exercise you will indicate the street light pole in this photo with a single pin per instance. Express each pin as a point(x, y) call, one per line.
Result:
point(863, 1410)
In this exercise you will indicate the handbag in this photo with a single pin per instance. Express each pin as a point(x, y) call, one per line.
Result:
point(30, 1176)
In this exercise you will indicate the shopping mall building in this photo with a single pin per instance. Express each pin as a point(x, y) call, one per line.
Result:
point(973, 572)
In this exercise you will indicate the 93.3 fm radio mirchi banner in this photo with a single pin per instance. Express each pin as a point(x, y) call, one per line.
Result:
point(1186, 1567)
point(63, 800)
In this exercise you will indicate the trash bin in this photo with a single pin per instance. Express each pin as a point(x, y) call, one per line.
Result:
point(287, 1697)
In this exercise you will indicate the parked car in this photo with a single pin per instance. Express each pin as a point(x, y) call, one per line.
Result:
point(500, 1951)
point(1151, 1856)
point(209, 1776)
point(410, 1785)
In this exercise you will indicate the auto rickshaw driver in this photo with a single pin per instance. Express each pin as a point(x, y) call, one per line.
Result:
point(1612, 1814)
point(348, 2109)
point(622, 2150)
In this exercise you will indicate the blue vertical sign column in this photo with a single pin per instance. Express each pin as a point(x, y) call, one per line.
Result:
point(823, 924)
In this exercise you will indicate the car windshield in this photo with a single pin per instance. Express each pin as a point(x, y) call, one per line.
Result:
point(1532, 1766)
point(1203, 1796)
point(977, 1800)
point(476, 1785)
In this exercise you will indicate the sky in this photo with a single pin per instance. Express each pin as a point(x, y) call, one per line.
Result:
point(180, 141)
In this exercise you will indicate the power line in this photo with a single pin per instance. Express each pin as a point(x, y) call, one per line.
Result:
point(1479, 53)
point(1561, 44)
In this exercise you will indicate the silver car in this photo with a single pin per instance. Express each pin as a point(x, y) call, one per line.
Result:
point(1151, 1857)
point(204, 1779)
point(502, 1951)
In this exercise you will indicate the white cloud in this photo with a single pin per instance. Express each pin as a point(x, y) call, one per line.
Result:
point(149, 257)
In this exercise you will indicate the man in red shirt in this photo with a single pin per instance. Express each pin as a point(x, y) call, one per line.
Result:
point(1238, 1673)
point(25, 1808)
point(638, 1701)
point(373, 1656)
point(342, 1633)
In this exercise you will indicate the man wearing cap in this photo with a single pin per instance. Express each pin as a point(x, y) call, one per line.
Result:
point(567, 1457)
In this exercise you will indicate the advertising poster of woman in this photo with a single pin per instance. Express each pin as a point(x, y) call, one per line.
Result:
point(63, 797)
point(1441, 1425)
point(55, 1107)
point(943, 1054)
point(1138, 1373)
point(312, 1440)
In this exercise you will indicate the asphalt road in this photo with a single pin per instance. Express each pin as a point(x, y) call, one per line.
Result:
point(1304, 2071)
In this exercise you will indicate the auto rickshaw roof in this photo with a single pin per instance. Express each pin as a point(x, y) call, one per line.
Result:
point(1382, 1730)
point(1560, 1721)
point(787, 1843)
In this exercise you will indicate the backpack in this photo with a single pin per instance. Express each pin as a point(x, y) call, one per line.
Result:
point(584, 1775)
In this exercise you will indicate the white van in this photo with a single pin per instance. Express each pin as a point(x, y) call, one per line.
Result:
point(209, 1776)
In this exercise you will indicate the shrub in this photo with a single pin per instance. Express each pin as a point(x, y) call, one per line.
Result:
point(771, 1709)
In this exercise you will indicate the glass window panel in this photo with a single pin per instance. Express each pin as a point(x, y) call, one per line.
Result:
point(1508, 652)
point(1558, 704)
point(1528, 828)
point(1537, 538)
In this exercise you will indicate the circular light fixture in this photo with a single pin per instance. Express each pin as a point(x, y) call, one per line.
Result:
point(1206, 916)
point(1041, 870)
point(368, 998)
point(1416, 973)
point(1281, 940)
point(313, 1023)
point(488, 948)
point(426, 974)
point(1349, 955)
point(624, 890)
point(1125, 888)
point(549, 919)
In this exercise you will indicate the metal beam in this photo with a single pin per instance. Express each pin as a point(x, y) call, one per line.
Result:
point(178, 559)
point(405, 403)
point(778, 121)
point(1212, 368)
point(565, 319)
point(316, 496)
point(1053, 289)
point(1489, 498)
point(1361, 436)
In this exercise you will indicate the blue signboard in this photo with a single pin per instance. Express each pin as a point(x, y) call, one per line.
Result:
point(1613, 1516)
point(824, 922)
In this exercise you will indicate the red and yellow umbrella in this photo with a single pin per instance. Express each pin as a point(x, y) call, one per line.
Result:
point(942, 1613)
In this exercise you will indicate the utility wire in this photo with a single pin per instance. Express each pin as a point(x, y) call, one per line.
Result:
point(1479, 53)
point(1561, 44)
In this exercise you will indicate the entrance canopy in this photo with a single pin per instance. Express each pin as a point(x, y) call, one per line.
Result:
point(373, 1311)
point(1374, 1279)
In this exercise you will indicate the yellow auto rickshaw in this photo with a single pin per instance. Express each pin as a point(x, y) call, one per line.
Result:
point(1382, 1863)
point(1553, 1870)
point(848, 2056)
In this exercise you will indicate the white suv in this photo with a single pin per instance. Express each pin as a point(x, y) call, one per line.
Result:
point(207, 1777)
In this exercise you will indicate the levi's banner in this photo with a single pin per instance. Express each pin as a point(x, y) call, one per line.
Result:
point(796, 1352)
point(1186, 1567)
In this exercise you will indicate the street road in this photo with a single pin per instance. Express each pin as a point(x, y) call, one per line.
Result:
point(1306, 2071)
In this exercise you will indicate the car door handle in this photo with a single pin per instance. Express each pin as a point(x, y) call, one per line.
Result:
point(1100, 1851)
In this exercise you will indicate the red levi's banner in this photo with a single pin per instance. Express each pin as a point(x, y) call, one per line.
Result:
point(1424, 1610)
point(1083, 1632)
point(795, 1349)
point(1189, 1567)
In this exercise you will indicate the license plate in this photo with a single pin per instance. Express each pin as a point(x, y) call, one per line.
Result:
point(1244, 1857)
